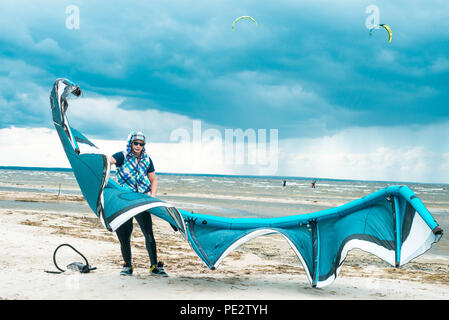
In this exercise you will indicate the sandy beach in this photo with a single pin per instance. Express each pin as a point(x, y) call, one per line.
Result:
point(264, 268)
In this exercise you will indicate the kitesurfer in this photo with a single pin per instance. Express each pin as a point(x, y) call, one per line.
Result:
point(135, 172)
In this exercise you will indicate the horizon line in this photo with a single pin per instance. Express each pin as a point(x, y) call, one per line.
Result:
point(286, 177)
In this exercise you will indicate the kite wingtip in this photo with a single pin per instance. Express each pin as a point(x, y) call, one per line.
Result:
point(437, 230)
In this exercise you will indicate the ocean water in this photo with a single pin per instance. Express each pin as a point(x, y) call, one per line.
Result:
point(237, 196)
point(231, 196)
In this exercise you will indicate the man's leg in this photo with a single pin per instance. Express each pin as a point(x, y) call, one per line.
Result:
point(146, 225)
point(124, 235)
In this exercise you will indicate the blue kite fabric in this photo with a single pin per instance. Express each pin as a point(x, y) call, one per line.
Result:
point(391, 223)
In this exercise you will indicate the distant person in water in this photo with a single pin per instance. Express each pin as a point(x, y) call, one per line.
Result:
point(313, 184)
point(284, 183)
point(135, 172)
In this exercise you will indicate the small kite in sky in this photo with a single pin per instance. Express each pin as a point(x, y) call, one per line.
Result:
point(240, 18)
point(390, 34)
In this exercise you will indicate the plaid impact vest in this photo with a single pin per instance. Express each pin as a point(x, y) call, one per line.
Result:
point(133, 173)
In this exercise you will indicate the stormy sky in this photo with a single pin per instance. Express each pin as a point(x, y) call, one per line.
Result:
point(345, 104)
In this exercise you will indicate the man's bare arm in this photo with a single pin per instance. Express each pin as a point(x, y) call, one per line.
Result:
point(153, 180)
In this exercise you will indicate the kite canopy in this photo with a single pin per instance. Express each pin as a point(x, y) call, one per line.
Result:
point(390, 34)
point(391, 223)
point(240, 18)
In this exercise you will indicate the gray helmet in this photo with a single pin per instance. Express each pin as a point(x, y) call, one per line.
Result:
point(139, 136)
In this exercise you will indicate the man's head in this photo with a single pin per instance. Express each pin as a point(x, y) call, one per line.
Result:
point(137, 143)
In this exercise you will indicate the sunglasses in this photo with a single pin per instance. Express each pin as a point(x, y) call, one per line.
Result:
point(138, 144)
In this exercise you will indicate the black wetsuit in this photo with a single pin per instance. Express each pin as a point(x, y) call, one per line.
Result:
point(124, 235)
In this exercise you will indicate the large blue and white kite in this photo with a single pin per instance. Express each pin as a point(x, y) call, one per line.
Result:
point(392, 223)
